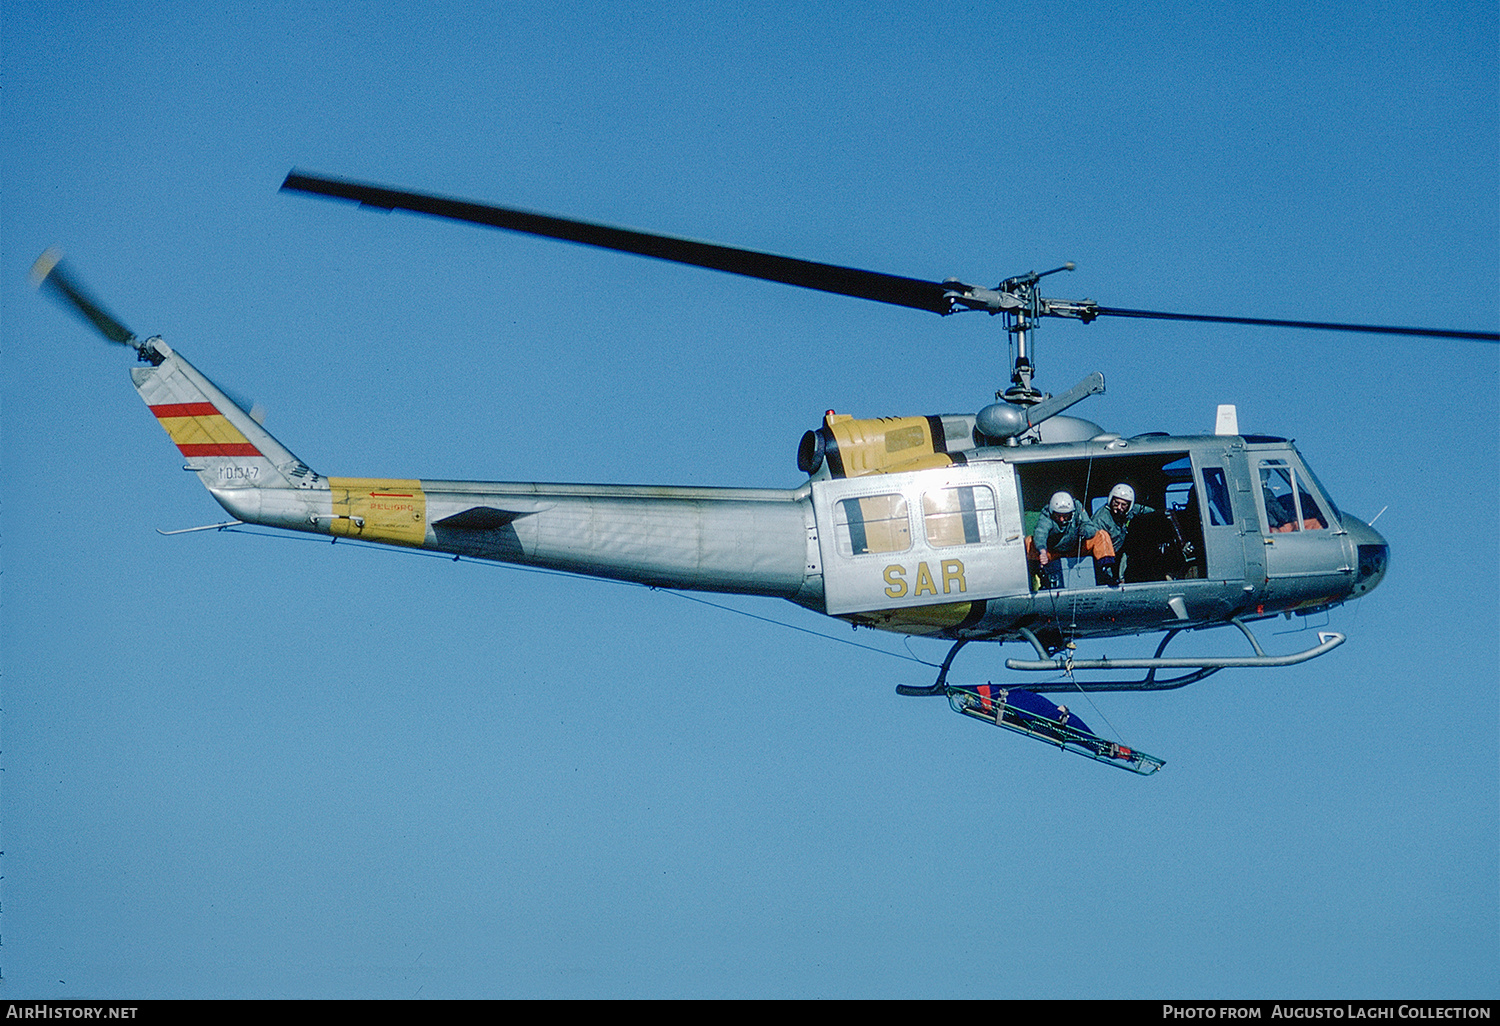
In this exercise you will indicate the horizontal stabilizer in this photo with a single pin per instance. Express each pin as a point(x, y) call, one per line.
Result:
point(480, 518)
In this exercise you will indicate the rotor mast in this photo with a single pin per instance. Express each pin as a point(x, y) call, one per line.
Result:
point(1018, 299)
point(1020, 322)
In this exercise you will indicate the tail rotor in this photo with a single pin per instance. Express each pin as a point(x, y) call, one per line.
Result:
point(51, 276)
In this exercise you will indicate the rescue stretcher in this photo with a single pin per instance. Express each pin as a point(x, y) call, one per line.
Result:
point(1024, 712)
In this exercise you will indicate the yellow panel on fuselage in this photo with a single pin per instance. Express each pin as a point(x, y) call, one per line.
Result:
point(918, 620)
point(390, 510)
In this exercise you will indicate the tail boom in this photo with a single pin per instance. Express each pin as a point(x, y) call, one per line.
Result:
point(749, 541)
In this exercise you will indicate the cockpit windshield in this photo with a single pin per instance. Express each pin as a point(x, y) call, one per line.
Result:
point(1287, 494)
point(1322, 492)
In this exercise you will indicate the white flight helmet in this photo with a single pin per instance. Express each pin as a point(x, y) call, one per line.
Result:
point(1123, 491)
point(1061, 502)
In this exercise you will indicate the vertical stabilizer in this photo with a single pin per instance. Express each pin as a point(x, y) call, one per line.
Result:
point(220, 441)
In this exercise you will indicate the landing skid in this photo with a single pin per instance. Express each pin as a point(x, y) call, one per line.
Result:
point(1054, 660)
point(1201, 666)
point(1036, 718)
point(939, 687)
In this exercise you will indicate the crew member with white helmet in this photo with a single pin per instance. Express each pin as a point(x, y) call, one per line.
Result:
point(1114, 519)
point(1062, 531)
point(1115, 515)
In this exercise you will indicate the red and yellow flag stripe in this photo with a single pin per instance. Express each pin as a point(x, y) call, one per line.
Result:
point(199, 429)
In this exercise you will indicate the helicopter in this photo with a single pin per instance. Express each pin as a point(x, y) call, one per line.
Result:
point(934, 526)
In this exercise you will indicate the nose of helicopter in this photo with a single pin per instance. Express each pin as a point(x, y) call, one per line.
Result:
point(1374, 555)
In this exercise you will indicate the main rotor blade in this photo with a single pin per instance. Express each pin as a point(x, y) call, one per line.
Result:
point(936, 297)
point(1479, 336)
point(846, 281)
point(48, 271)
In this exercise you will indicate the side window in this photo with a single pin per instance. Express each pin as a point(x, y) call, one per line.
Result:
point(875, 523)
point(1289, 506)
point(1276, 490)
point(960, 516)
point(1220, 512)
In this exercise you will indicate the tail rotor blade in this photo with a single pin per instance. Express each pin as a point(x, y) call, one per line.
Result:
point(49, 273)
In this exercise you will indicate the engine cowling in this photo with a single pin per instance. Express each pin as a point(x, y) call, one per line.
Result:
point(884, 445)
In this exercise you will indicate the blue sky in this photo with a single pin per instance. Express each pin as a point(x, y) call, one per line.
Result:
point(238, 766)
